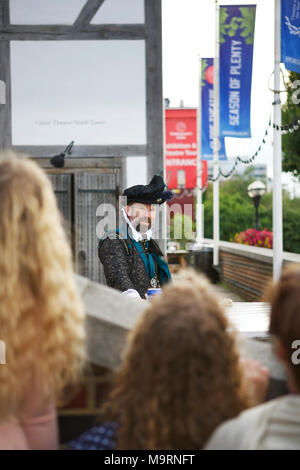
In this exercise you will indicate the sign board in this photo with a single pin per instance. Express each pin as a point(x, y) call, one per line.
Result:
point(182, 149)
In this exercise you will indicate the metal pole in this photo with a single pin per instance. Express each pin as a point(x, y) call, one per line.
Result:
point(256, 218)
point(277, 155)
point(216, 217)
point(199, 221)
point(256, 201)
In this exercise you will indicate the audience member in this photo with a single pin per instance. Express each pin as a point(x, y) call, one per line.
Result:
point(275, 424)
point(180, 378)
point(41, 315)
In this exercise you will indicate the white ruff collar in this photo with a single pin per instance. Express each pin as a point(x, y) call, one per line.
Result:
point(136, 235)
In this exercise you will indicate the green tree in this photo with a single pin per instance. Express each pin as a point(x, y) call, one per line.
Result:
point(237, 212)
point(291, 142)
point(182, 229)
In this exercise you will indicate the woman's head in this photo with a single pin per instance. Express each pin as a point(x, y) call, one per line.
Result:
point(181, 374)
point(41, 316)
point(284, 297)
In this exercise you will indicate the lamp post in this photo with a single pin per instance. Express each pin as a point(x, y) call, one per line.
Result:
point(256, 190)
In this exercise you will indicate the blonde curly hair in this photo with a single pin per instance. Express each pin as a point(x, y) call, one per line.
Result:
point(41, 315)
point(181, 376)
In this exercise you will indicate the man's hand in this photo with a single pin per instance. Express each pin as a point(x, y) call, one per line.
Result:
point(257, 377)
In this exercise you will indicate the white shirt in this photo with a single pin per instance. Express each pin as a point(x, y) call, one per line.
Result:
point(273, 425)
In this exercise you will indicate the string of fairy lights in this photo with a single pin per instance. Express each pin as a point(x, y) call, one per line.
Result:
point(285, 129)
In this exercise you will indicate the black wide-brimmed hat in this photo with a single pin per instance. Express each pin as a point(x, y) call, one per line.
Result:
point(152, 193)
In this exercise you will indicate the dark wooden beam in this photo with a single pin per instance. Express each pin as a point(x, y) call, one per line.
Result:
point(5, 105)
point(4, 12)
point(5, 108)
point(61, 33)
point(154, 103)
point(75, 165)
point(87, 13)
point(155, 160)
point(83, 151)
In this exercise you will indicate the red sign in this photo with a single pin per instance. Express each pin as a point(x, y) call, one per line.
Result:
point(182, 197)
point(181, 149)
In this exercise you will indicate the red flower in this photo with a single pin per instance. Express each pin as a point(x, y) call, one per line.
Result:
point(262, 238)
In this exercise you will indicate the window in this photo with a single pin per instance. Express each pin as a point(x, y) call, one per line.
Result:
point(45, 11)
point(92, 92)
point(120, 11)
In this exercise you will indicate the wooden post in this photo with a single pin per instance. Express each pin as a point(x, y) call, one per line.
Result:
point(154, 100)
point(88, 12)
point(5, 107)
point(69, 33)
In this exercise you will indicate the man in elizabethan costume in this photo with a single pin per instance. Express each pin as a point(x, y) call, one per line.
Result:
point(132, 260)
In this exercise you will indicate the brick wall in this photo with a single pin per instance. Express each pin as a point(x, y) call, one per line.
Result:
point(247, 276)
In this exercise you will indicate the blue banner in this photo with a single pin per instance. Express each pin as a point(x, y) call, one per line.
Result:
point(290, 34)
point(207, 113)
point(237, 25)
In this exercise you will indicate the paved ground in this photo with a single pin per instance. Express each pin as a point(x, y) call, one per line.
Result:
point(225, 290)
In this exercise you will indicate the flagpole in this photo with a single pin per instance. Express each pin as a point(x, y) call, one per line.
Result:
point(216, 216)
point(199, 221)
point(277, 153)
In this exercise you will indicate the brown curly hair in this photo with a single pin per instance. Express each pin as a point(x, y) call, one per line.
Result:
point(181, 375)
point(284, 297)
